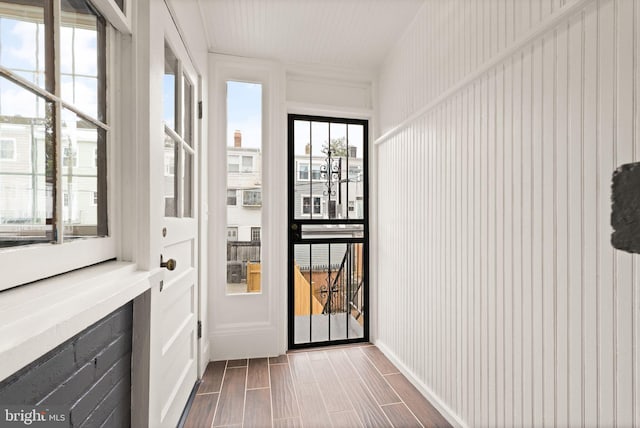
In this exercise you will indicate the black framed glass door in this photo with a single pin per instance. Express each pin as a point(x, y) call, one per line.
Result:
point(328, 231)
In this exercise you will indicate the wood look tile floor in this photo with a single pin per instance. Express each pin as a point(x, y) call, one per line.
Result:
point(352, 386)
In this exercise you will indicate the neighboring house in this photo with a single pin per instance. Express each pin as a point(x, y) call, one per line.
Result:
point(244, 191)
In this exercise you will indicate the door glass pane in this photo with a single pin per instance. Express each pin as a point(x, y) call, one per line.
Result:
point(328, 292)
point(188, 111)
point(353, 171)
point(169, 87)
point(170, 163)
point(187, 184)
point(27, 167)
point(22, 47)
point(244, 187)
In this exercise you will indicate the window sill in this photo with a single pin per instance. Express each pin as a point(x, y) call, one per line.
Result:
point(36, 318)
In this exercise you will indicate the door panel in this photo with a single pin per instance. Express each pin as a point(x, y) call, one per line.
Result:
point(327, 231)
point(174, 305)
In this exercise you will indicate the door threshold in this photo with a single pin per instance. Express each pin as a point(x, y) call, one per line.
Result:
point(329, 346)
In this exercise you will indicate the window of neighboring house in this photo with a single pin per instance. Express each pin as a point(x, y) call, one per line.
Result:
point(233, 164)
point(95, 198)
point(303, 171)
point(69, 157)
point(65, 199)
point(252, 198)
point(311, 202)
point(255, 234)
point(7, 149)
point(247, 164)
point(232, 197)
point(232, 233)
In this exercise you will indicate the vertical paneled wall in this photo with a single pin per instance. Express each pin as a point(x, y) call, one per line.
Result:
point(499, 291)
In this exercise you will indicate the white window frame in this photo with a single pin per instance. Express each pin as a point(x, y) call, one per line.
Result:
point(57, 259)
point(232, 229)
point(15, 154)
point(255, 229)
point(243, 168)
point(236, 196)
point(66, 157)
point(322, 205)
point(252, 205)
point(310, 165)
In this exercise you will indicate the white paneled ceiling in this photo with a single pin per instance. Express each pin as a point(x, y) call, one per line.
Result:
point(342, 33)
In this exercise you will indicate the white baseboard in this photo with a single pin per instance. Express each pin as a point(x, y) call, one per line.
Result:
point(442, 407)
point(231, 344)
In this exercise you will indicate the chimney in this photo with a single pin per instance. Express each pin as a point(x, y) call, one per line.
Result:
point(237, 139)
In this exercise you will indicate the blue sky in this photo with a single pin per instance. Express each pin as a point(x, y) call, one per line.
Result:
point(244, 113)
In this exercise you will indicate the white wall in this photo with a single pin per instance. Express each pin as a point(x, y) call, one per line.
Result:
point(510, 307)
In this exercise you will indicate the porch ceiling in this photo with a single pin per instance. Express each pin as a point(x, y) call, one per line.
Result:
point(341, 33)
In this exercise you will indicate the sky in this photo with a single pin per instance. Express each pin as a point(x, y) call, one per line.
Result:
point(244, 113)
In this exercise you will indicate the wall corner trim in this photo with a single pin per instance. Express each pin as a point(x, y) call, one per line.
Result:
point(437, 402)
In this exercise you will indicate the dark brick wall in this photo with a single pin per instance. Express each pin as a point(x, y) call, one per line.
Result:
point(89, 375)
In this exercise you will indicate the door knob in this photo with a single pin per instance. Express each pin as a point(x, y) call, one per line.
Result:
point(169, 264)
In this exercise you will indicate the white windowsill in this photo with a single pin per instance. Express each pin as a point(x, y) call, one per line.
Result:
point(36, 318)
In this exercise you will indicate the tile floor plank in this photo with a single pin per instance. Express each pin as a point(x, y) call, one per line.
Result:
point(312, 410)
point(341, 365)
point(231, 401)
point(237, 363)
point(364, 404)
point(283, 396)
point(334, 396)
point(379, 360)
point(280, 359)
point(317, 355)
point(400, 416)
point(347, 419)
point(379, 387)
point(287, 423)
point(420, 406)
point(301, 369)
point(258, 375)
point(202, 410)
point(257, 408)
point(212, 378)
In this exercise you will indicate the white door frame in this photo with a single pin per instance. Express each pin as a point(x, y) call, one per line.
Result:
point(252, 324)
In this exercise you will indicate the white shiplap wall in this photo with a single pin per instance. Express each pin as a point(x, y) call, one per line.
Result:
point(499, 292)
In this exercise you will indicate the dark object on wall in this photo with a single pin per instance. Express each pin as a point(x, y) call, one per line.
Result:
point(625, 208)
point(88, 376)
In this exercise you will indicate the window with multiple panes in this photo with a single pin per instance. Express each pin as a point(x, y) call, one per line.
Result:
point(7, 149)
point(232, 233)
point(232, 197)
point(255, 234)
point(178, 98)
point(311, 202)
point(252, 198)
point(52, 104)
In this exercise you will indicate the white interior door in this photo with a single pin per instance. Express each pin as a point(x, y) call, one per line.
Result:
point(174, 305)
